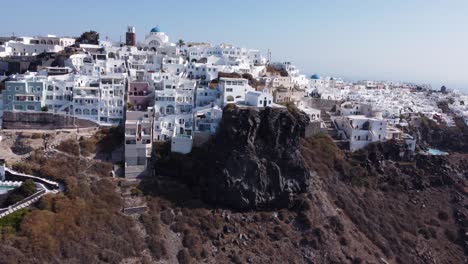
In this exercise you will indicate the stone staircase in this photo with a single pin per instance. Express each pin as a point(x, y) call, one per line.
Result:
point(331, 129)
point(132, 172)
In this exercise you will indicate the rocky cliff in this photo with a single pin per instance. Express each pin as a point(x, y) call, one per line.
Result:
point(451, 139)
point(253, 162)
point(325, 205)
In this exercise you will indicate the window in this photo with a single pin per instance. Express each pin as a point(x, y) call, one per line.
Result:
point(31, 107)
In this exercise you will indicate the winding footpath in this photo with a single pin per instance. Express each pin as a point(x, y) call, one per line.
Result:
point(54, 187)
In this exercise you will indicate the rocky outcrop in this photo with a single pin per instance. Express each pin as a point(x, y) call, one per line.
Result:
point(253, 162)
point(263, 166)
point(377, 205)
point(450, 139)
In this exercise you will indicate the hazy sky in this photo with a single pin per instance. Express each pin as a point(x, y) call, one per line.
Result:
point(420, 40)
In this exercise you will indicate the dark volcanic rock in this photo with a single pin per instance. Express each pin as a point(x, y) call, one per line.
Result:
point(451, 139)
point(256, 159)
point(253, 162)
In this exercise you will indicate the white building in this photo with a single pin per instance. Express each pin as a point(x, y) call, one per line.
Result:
point(138, 137)
point(258, 99)
point(361, 130)
point(207, 118)
point(233, 90)
point(31, 46)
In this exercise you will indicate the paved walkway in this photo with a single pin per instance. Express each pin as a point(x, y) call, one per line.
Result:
point(43, 190)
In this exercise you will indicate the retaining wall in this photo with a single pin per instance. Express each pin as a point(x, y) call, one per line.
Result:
point(43, 120)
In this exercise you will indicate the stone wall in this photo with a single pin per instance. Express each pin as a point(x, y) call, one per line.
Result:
point(42, 120)
point(322, 104)
point(314, 128)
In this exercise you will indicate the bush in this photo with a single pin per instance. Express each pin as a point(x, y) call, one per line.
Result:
point(69, 146)
point(109, 139)
point(135, 192)
point(443, 216)
point(26, 189)
point(101, 169)
point(157, 247)
point(22, 167)
point(88, 146)
point(336, 225)
point(184, 257)
point(45, 108)
point(36, 136)
point(167, 217)
point(130, 106)
point(13, 220)
point(45, 203)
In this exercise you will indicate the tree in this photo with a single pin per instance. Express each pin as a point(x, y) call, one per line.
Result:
point(45, 108)
point(443, 89)
point(180, 43)
point(88, 37)
point(28, 188)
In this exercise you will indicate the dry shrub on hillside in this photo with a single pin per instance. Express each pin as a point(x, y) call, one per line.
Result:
point(152, 225)
point(108, 139)
point(77, 229)
point(184, 257)
point(321, 154)
point(69, 146)
point(37, 136)
point(88, 145)
point(81, 225)
point(22, 167)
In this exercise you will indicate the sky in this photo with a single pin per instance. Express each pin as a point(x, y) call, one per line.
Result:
point(408, 40)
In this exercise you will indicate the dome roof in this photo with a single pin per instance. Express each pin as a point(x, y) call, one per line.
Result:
point(315, 77)
point(155, 30)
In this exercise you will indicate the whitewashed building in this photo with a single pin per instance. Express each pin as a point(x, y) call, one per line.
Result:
point(258, 99)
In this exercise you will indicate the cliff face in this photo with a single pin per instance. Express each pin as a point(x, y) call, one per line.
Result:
point(256, 159)
point(451, 139)
point(371, 206)
point(253, 162)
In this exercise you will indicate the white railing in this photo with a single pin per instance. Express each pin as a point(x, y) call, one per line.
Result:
point(31, 199)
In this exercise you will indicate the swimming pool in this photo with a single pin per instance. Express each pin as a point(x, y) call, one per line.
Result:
point(432, 151)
